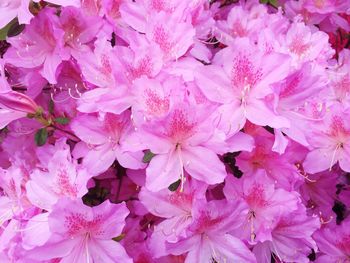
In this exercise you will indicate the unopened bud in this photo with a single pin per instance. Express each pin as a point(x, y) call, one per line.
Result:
point(18, 101)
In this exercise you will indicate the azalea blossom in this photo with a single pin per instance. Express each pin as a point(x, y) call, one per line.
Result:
point(174, 131)
point(84, 233)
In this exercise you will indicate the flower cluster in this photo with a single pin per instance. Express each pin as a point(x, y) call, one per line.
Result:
point(174, 131)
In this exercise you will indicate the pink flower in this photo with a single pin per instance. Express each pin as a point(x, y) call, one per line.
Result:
point(13, 199)
point(136, 14)
point(39, 45)
point(80, 232)
point(266, 204)
point(291, 239)
point(176, 207)
point(104, 140)
point(180, 142)
point(240, 79)
point(239, 23)
point(294, 93)
point(319, 194)
point(79, 29)
point(172, 36)
point(63, 178)
point(333, 243)
point(326, 6)
point(278, 167)
point(330, 143)
point(208, 237)
point(304, 45)
point(340, 79)
point(10, 9)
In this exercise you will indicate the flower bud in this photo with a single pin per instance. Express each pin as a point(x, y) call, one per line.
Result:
point(18, 101)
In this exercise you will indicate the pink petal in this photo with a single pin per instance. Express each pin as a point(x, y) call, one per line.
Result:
point(203, 164)
point(214, 84)
point(107, 251)
point(163, 170)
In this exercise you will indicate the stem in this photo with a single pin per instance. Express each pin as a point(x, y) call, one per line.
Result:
point(67, 132)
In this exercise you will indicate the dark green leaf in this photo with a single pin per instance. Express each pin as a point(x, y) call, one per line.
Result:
point(15, 29)
point(119, 238)
point(148, 156)
point(41, 137)
point(62, 120)
point(274, 3)
point(173, 187)
point(4, 30)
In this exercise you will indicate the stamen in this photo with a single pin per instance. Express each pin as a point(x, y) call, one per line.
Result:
point(304, 174)
point(339, 145)
point(324, 222)
point(182, 177)
point(251, 217)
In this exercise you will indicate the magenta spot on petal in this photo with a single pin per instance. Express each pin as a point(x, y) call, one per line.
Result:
point(156, 105)
point(65, 187)
point(244, 73)
point(337, 127)
point(143, 67)
point(206, 221)
point(161, 37)
point(290, 87)
point(114, 11)
point(256, 197)
point(298, 46)
point(106, 65)
point(158, 5)
point(114, 126)
point(238, 30)
point(77, 224)
point(72, 29)
point(182, 200)
point(180, 127)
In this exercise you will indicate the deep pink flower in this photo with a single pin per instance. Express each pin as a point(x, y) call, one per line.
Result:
point(291, 239)
point(63, 178)
point(240, 79)
point(10, 9)
point(208, 236)
point(184, 139)
point(330, 143)
point(333, 243)
point(81, 232)
point(79, 29)
point(104, 140)
point(176, 207)
point(279, 167)
point(266, 204)
point(39, 45)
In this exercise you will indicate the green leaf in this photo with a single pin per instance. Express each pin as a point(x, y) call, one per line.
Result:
point(4, 30)
point(62, 120)
point(173, 187)
point(148, 156)
point(15, 29)
point(119, 238)
point(274, 3)
point(41, 137)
